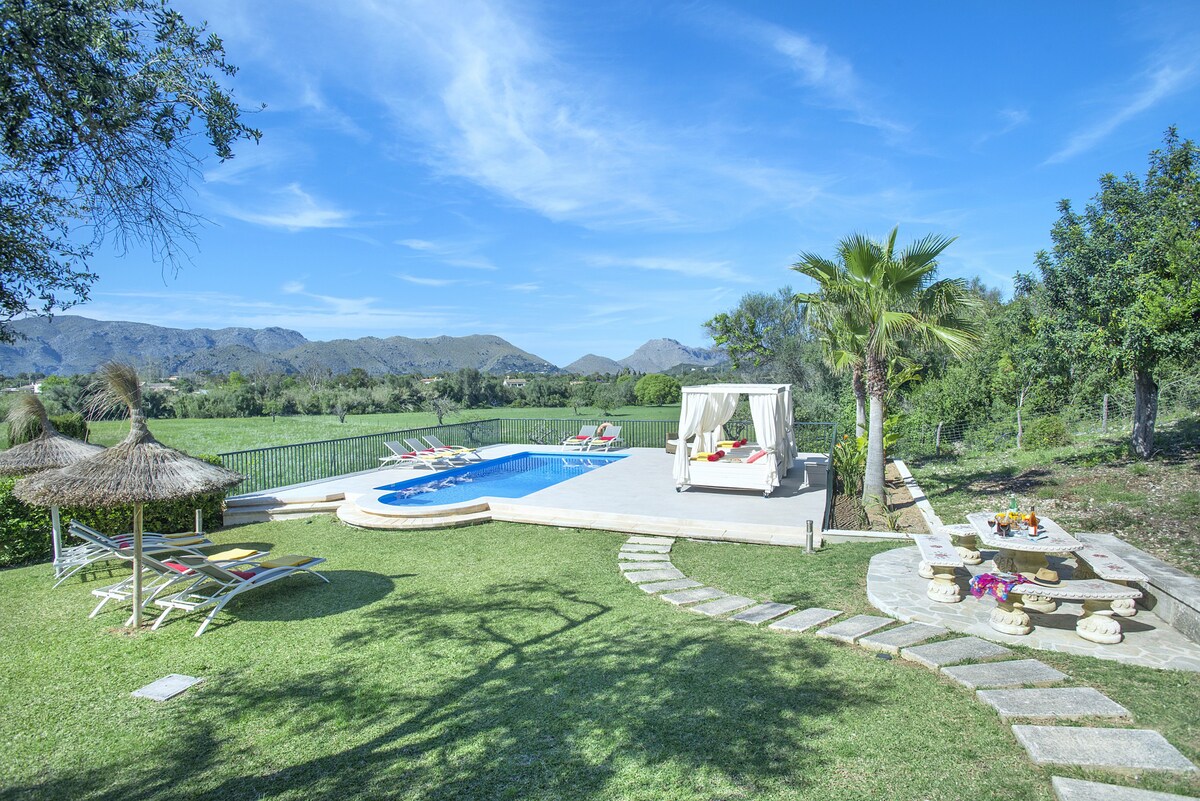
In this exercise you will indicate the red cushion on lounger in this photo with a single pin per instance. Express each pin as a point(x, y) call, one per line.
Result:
point(756, 457)
point(177, 566)
point(605, 439)
point(244, 574)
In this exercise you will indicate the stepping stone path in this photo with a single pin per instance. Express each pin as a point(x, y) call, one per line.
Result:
point(857, 626)
point(1004, 686)
point(1079, 790)
point(1059, 703)
point(892, 640)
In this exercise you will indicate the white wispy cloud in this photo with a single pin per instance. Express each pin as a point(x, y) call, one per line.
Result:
point(693, 268)
point(291, 208)
point(454, 254)
point(526, 287)
point(420, 281)
point(1157, 85)
point(1008, 120)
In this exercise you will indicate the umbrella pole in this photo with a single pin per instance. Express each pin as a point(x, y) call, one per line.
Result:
point(56, 536)
point(137, 566)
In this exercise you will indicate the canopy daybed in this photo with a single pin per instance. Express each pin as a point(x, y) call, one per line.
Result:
point(704, 412)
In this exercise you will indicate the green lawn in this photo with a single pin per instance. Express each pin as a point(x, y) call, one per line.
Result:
point(222, 435)
point(501, 661)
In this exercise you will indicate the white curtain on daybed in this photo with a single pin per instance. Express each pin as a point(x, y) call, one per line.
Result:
point(701, 416)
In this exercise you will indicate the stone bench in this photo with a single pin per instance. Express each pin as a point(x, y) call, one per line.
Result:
point(968, 541)
point(1096, 624)
point(1095, 561)
point(939, 560)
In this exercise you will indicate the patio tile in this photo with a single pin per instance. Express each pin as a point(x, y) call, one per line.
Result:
point(638, 576)
point(1004, 674)
point(1058, 703)
point(667, 586)
point(851, 629)
point(694, 595)
point(892, 640)
point(950, 652)
point(801, 621)
point(722, 605)
point(1114, 749)
point(1079, 790)
point(762, 613)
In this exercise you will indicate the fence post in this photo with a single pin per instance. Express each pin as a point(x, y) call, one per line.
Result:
point(937, 441)
point(1104, 415)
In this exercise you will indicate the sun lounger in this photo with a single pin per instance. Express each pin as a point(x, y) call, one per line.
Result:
point(581, 439)
point(160, 575)
point(405, 456)
point(457, 450)
point(99, 547)
point(421, 449)
point(215, 586)
point(605, 440)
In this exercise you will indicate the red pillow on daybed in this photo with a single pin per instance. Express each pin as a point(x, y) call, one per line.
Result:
point(756, 457)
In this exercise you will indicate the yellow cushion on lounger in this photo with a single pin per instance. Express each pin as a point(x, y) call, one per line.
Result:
point(231, 555)
point(702, 456)
point(291, 560)
point(189, 541)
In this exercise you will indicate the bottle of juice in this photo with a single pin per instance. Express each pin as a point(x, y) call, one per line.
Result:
point(1033, 522)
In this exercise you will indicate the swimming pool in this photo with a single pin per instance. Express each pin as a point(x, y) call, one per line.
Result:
point(513, 476)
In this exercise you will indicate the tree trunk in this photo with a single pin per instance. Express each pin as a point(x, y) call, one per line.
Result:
point(1145, 411)
point(873, 492)
point(860, 401)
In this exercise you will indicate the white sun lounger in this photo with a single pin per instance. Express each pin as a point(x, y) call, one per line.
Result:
point(456, 450)
point(99, 547)
point(581, 439)
point(403, 456)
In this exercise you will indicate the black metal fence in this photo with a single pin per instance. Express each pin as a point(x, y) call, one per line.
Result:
point(285, 465)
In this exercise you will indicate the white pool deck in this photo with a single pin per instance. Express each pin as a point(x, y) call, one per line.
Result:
point(635, 494)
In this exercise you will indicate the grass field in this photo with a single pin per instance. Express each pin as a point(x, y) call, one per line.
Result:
point(510, 662)
point(221, 435)
point(1093, 485)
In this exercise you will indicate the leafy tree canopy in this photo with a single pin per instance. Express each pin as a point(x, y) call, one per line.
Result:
point(657, 390)
point(102, 103)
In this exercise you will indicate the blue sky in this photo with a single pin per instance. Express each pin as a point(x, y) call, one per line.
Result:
point(582, 177)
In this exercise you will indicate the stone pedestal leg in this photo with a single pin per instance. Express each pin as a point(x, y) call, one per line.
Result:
point(1083, 570)
point(924, 570)
point(1039, 603)
point(968, 549)
point(1009, 618)
point(1097, 623)
point(1124, 607)
point(944, 589)
point(1004, 562)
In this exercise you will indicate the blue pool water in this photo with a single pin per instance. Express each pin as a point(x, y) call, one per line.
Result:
point(512, 476)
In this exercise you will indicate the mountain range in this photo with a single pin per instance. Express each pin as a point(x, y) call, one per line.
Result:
point(69, 344)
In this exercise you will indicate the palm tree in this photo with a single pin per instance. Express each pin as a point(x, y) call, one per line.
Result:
point(842, 338)
point(891, 298)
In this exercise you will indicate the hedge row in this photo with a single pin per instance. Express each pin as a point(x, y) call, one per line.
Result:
point(25, 529)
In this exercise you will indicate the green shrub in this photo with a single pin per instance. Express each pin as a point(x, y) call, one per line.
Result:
point(1046, 432)
point(71, 424)
point(25, 529)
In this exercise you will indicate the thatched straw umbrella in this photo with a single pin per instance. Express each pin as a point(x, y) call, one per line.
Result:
point(137, 470)
point(49, 450)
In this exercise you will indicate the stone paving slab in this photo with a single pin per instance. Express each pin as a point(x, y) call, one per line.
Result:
point(801, 621)
point(722, 605)
point(1004, 674)
point(851, 629)
point(1113, 749)
point(950, 652)
point(627, 548)
point(1058, 703)
point(692, 596)
point(1079, 790)
point(638, 576)
point(892, 640)
point(644, 557)
point(650, 541)
point(762, 613)
point(660, 564)
point(667, 586)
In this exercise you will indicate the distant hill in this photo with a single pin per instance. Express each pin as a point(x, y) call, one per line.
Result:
point(69, 344)
point(591, 363)
point(660, 355)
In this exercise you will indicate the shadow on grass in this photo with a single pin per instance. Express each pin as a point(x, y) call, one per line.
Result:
point(527, 690)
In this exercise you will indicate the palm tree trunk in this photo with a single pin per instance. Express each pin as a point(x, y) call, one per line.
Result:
point(860, 401)
point(1145, 411)
point(873, 492)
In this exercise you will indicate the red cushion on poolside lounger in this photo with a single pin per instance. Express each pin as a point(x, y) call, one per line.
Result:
point(605, 439)
point(245, 574)
point(177, 566)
